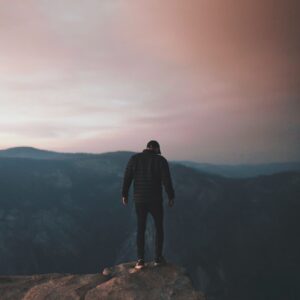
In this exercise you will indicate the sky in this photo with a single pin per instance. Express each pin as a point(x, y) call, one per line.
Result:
point(211, 81)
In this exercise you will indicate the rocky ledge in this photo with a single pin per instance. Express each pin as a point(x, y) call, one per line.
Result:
point(122, 281)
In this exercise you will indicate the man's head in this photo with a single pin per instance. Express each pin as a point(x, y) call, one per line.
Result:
point(154, 145)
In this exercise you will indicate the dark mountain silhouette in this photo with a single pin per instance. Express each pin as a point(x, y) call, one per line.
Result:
point(35, 153)
point(237, 237)
point(242, 170)
point(30, 152)
point(226, 170)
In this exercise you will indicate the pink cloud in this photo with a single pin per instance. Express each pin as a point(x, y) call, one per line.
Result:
point(220, 77)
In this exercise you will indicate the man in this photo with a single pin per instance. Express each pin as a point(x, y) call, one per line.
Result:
point(149, 170)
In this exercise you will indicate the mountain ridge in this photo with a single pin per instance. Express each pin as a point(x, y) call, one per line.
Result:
point(32, 152)
point(241, 170)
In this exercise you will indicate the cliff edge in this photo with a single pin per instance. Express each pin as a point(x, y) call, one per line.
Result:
point(118, 282)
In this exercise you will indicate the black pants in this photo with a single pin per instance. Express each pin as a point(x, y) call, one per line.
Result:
point(157, 212)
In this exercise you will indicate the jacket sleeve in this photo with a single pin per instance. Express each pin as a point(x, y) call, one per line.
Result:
point(166, 179)
point(128, 176)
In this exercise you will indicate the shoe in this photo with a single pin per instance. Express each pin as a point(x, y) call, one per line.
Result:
point(140, 264)
point(159, 261)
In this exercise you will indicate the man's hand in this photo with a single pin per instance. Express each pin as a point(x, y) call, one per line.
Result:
point(171, 202)
point(125, 200)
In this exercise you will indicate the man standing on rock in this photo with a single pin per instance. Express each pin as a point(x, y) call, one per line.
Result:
point(149, 170)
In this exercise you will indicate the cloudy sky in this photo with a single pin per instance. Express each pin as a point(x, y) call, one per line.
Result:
point(212, 81)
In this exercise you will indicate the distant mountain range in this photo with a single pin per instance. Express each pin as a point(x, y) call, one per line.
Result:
point(243, 170)
point(237, 237)
point(35, 153)
point(227, 170)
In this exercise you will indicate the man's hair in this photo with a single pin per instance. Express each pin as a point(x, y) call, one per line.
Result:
point(153, 144)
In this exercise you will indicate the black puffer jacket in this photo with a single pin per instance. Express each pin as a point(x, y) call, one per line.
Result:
point(149, 171)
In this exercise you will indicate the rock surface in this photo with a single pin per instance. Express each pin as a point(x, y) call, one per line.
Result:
point(122, 281)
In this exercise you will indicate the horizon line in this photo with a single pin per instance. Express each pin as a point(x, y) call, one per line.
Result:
point(172, 160)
